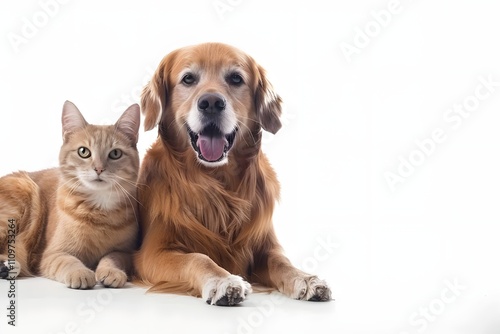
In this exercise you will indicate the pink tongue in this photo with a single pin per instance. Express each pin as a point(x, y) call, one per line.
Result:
point(212, 148)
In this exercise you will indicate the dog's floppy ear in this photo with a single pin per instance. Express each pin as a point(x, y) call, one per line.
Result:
point(267, 103)
point(154, 98)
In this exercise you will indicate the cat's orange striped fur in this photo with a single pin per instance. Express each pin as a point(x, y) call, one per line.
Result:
point(76, 223)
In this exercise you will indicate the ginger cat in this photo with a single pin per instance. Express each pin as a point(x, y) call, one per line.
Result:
point(76, 224)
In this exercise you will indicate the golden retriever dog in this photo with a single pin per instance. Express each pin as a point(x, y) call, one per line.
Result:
point(206, 190)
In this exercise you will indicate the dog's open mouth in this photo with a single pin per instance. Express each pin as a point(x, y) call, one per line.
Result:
point(211, 144)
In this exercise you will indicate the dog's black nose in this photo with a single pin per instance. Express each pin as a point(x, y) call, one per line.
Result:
point(211, 103)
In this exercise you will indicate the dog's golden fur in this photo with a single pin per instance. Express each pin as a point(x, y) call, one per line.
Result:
point(202, 225)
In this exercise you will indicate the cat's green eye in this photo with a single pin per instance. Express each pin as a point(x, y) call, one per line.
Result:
point(84, 152)
point(115, 154)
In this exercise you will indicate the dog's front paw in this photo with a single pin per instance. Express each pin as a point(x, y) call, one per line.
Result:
point(111, 277)
point(227, 291)
point(312, 289)
point(82, 278)
point(8, 271)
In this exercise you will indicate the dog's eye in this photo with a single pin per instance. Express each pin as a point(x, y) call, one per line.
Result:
point(234, 79)
point(188, 79)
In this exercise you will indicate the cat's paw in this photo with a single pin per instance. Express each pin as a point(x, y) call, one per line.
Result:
point(111, 277)
point(8, 271)
point(312, 289)
point(82, 278)
point(227, 291)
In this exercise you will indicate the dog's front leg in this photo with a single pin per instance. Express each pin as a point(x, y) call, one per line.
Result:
point(275, 270)
point(194, 272)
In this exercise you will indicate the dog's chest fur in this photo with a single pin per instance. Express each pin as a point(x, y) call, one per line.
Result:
point(217, 201)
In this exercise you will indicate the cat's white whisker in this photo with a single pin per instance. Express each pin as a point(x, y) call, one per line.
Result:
point(89, 219)
point(71, 188)
point(134, 184)
point(126, 192)
point(127, 196)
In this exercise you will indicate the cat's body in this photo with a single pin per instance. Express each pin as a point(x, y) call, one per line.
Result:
point(76, 223)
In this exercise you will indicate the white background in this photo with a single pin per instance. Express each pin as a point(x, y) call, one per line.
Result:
point(389, 254)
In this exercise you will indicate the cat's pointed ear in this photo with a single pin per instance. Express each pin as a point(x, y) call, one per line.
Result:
point(72, 119)
point(129, 123)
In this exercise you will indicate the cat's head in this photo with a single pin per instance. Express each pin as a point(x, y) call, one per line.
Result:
point(99, 157)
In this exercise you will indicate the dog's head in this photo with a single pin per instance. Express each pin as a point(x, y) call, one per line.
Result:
point(211, 97)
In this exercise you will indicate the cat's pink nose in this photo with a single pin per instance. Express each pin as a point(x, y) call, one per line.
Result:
point(99, 170)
